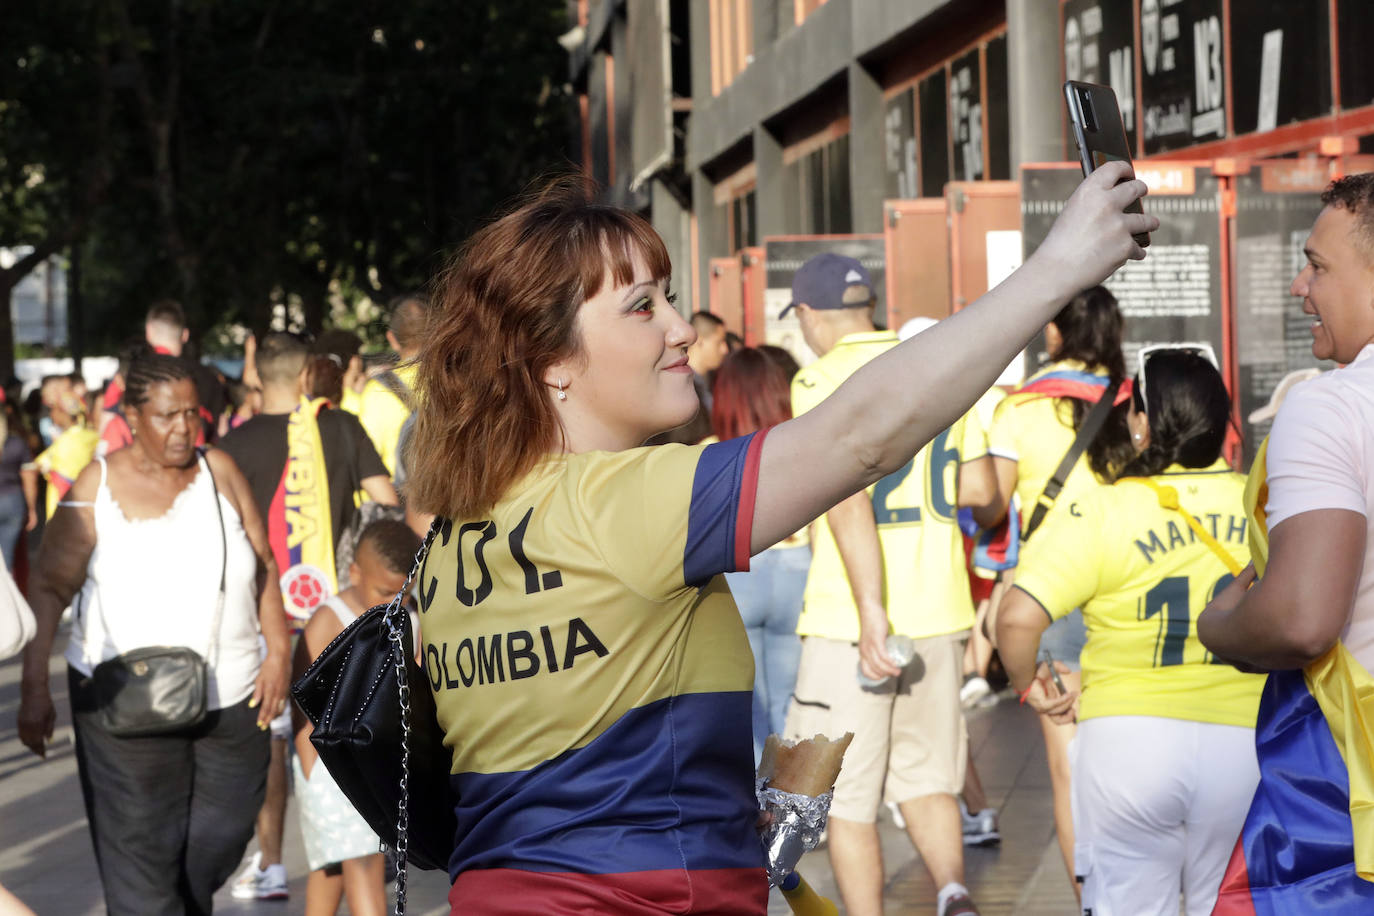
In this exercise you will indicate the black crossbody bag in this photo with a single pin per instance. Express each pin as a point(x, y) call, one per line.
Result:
point(161, 689)
point(379, 738)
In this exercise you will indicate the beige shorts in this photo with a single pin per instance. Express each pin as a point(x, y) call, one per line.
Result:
point(909, 734)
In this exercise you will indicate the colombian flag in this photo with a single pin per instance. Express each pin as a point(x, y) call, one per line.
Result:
point(1070, 383)
point(1308, 842)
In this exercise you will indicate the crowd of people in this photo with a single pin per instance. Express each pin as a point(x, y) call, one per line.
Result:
point(180, 508)
point(858, 540)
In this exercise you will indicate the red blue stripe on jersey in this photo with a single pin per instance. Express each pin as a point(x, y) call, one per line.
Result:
point(653, 812)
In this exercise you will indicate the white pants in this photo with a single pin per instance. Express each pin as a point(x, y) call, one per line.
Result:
point(1157, 806)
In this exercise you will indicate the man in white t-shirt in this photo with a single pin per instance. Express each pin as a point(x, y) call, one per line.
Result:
point(1309, 618)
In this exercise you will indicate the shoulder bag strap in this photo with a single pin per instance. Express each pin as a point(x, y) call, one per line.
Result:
point(396, 633)
point(1092, 423)
point(1168, 498)
point(393, 383)
point(212, 652)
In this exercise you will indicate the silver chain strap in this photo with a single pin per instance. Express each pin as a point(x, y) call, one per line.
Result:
point(396, 634)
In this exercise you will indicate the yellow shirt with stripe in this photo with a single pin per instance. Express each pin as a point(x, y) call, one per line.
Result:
point(925, 582)
point(1036, 431)
point(383, 414)
point(593, 678)
point(1142, 578)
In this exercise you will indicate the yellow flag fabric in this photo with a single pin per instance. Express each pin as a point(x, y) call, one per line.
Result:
point(299, 523)
point(1342, 687)
point(61, 462)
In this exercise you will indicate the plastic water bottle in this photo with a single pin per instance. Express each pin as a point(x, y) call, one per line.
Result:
point(900, 650)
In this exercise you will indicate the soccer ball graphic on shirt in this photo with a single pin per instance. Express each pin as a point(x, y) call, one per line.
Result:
point(303, 587)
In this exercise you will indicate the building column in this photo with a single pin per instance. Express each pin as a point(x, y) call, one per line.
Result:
point(776, 203)
point(673, 222)
point(867, 168)
point(1034, 94)
point(712, 237)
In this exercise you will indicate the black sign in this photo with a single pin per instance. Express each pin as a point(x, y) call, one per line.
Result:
point(1182, 73)
point(1174, 295)
point(1280, 62)
point(899, 143)
point(784, 257)
point(1098, 35)
point(1273, 336)
point(966, 115)
point(933, 117)
point(1355, 23)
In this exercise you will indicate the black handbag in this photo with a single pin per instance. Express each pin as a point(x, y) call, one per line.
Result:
point(379, 739)
point(157, 690)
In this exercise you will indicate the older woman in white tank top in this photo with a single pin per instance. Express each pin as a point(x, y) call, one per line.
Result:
point(136, 550)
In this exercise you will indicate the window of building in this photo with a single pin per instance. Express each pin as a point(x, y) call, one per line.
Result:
point(732, 40)
point(805, 8)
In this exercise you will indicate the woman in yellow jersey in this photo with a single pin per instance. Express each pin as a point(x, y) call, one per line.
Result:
point(589, 667)
point(1032, 430)
point(1164, 761)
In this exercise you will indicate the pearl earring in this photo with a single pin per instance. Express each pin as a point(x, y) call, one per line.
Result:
point(1135, 436)
point(562, 395)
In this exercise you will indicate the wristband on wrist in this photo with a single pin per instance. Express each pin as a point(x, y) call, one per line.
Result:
point(1025, 693)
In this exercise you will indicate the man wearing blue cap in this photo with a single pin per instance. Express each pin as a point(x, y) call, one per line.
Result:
point(886, 561)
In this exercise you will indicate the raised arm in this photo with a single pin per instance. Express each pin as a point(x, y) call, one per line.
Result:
point(58, 575)
point(886, 411)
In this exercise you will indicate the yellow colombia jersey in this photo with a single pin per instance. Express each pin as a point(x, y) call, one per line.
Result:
point(925, 580)
point(1142, 577)
point(593, 681)
point(1035, 431)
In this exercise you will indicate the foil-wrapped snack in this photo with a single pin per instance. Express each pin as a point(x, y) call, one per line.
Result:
point(794, 787)
point(795, 828)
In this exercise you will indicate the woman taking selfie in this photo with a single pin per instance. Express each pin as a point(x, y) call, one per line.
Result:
point(161, 545)
point(1164, 764)
point(589, 666)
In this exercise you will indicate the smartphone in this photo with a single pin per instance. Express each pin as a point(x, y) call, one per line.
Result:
point(1048, 659)
point(1099, 132)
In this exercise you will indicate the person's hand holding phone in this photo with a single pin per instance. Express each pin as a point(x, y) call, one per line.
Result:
point(1049, 700)
point(1094, 236)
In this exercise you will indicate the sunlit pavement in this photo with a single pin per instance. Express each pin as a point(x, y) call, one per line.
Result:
point(46, 857)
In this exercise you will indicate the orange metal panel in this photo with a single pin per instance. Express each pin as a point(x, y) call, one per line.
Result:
point(975, 209)
point(917, 244)
point(726, 301)
point(753, 281)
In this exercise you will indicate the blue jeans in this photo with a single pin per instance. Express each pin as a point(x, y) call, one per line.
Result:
point(769, 597)
point(14, 515)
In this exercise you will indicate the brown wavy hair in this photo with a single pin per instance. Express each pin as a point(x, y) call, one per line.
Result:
point(503, 311)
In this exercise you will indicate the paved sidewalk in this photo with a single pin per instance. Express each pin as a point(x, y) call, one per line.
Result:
point(46, 858)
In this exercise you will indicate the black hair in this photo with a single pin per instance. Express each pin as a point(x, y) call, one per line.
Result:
point(167, 311)
point(1355, 195)
point(394, 542)
point(281, 356)
point(149, 370)
point(407, 316)
point(1090, 328)
point(133, 348)
point(1187, 406)
point(703, 321)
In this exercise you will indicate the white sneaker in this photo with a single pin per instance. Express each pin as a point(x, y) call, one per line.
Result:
point(974, 690)
point(255, 883)
point(980, 827)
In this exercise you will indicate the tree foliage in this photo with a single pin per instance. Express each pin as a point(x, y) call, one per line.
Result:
point(236, 153)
